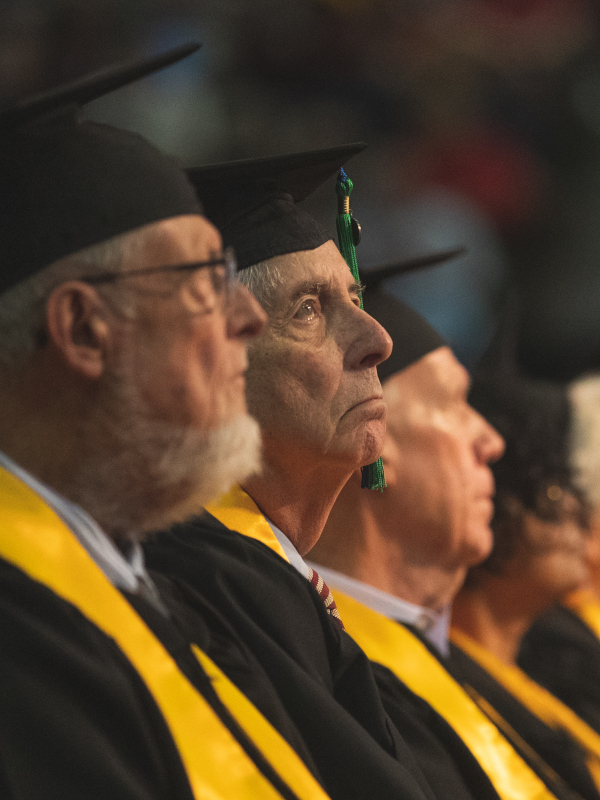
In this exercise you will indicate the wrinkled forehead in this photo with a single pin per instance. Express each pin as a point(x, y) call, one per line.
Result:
point(320, 269)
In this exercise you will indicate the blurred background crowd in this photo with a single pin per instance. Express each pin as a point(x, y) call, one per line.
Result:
point(482, 119)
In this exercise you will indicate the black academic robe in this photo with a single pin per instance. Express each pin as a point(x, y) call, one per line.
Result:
point(555, 747)
point(430, 715)
point(444, 759)
point(76, 719)
point(561, 653)
point(323, 678)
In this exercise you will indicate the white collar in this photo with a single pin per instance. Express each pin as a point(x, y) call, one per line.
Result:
point(125, 571)
point(292, 554)
point(433, 625)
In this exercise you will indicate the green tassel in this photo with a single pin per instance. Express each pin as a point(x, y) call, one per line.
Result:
point(372, 475)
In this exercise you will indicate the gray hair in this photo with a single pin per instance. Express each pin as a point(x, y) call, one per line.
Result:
point(262, 280)
point(584, 394)
point(22, 308)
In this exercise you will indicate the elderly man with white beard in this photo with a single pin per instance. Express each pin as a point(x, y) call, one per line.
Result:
point(123, 336)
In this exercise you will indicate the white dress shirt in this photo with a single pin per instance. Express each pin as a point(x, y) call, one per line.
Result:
point(293, 555)
point(433, 625)
point(124, 570)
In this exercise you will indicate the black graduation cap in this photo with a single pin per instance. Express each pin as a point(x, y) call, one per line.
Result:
point(66, 185)
point(254, 202)
point(372, 278)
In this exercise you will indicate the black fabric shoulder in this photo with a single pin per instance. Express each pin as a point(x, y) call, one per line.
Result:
point(321, 675)
point(563, 654)
point(75, 718)
point(555, 747)
point(446, 762)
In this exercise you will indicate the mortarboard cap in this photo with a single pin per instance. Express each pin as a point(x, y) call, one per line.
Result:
point(374, 277)
point(254, 202)
point(66, 185)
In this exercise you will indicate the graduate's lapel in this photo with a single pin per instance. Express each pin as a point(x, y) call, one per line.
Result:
point(34, 539)
point(238, 512)
point(552, 711)
point(393, 646)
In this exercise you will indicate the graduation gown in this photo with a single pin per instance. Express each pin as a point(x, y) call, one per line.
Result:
point(93, 704)
point(324, 679)
point(562, 652)
point(460, 751)
point(556, 748)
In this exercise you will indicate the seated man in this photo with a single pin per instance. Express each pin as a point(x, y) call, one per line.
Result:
point(400, 557)
point(122, 355)
point(540, 535)
point(313, 387)
point(561, 650)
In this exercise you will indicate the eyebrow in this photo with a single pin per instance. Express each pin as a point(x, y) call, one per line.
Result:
point(315, 287)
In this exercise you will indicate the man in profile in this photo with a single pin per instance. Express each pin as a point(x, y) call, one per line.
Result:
point(123, 339)
point(313, 387)
point(395, 562)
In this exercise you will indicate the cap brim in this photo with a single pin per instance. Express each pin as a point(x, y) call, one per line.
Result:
point(90, 87)
point(371, 278)
point(296, 174)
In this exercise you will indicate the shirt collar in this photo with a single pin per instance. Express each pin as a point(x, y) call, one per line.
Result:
point(125, 571)
point(433, 625)
point(292, 554)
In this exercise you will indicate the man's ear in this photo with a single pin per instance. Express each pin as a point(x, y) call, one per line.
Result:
point(77, 322)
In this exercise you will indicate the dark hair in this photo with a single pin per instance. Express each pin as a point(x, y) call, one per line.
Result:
point(534, 417)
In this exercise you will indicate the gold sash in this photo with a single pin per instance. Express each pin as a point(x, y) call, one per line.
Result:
point(396, 648)
point(238, 512)
point(586, 605)
point(537, 699)
point(36, 541)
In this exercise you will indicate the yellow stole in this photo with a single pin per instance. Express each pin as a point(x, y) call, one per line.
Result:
point(537, 699)
point(586, 605)
point(36, 541)
point(393, 646)
point(238, 512)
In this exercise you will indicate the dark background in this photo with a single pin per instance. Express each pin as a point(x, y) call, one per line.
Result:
point(482, 119)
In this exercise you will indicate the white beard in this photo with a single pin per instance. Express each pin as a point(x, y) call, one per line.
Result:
point(215, 462)
point(142, 475)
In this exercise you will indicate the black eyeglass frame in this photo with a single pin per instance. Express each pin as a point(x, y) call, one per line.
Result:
point(228, 260)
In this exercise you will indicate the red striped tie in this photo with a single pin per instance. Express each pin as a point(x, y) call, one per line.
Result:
point(325, 595)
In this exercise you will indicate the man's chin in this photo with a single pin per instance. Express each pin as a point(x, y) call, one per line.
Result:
point(480, 546)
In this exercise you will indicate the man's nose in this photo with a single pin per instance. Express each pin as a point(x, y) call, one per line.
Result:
point(246, 318)
point(371, 343)
point(490, 445)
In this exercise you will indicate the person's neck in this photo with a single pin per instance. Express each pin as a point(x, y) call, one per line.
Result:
point(355, 542)
point(296, 493)
point(495, 616)
point(39, 431)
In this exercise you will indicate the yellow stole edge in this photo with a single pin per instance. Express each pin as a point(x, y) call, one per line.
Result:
point(238, 512)
point(552, 711)
point(586, 605)
point(393, 646)
point(36, 541)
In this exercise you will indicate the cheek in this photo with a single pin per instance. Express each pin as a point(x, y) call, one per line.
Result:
point(291, 384)
point(559, 572)
point(187, 377)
